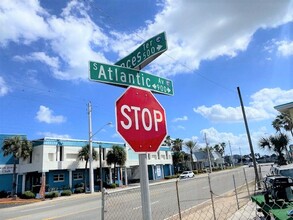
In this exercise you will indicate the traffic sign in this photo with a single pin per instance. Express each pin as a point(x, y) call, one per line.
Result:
point(141, 120)
point(125, 77)
point(145, 53)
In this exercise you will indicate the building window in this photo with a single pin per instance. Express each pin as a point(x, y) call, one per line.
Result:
point(31, 157)
point(51, 156)
point(61, 153)
point(104, 154)
point(71, 157)
point(78, 176)
point(166, 154)
point(158, 153)
point(58, 177)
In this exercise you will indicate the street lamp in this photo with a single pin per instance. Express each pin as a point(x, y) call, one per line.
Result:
point(91, 148)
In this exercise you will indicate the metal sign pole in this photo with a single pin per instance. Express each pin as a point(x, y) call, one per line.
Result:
point(144, 188)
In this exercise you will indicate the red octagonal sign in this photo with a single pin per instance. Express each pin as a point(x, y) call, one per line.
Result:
point(141, 120)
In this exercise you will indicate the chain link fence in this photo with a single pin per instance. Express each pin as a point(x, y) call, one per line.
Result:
point(215, 196)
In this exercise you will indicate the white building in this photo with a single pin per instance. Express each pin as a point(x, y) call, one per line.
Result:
point(57, 160)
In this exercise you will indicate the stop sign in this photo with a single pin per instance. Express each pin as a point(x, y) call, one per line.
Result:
point(141, 120)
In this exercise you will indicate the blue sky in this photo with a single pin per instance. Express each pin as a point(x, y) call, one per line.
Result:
point(213, 47)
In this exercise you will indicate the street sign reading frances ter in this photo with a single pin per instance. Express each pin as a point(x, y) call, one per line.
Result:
point(145, 53)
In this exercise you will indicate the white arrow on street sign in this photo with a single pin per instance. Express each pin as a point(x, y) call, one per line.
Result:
point(145, 53)
point(124, 77)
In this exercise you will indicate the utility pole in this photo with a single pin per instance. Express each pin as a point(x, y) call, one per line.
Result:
point(240, 156)
point(249, 140)
point(209, 156)
point(91, 148)
point(232, 159)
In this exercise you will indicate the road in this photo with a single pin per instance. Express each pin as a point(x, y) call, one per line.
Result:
point(126, 204)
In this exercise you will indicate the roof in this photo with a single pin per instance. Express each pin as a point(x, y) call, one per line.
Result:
point(284, 107)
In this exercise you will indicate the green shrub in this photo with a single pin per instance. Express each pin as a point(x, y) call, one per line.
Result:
point(66, 193)
point(52, 195)
point(3, 194)
point(113, 185)
point(79, 190)
point(28, 195)
point(79, 185)
point(171, 177)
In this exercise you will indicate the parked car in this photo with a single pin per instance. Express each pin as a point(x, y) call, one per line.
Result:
point(285, 170)
point(278, 187)
point(186, 174)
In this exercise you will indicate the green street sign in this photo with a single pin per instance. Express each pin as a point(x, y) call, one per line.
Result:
point(145, 53)
point(124, 77)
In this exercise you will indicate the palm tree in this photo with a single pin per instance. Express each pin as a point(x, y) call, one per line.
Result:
point(116, 156)
point(167, 141)
point(20, 148)
point(283, 121)
point(177, 145)
point(177, 157)
point(191, 146)
point(277, 143)
point(84, 155)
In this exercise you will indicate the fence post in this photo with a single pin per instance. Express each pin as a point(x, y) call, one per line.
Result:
point(212, 197)
point(236, 192)
point(178, 200)
point(103, 204)
point(247, 186)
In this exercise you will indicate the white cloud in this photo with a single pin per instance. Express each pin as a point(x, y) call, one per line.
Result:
point(77, 40)
point(53, 135)
point(184, 118)
point(196, 31)
point(260, 108)
point(39, 56)
point(73, 37)
point(204, 30)
point(285, 48)
point(238, 143)
point(282, 48)
point(4, 89)
point(24, 21)
point(46, 115)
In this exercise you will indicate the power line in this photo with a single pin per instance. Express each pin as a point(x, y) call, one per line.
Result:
point(110, 19)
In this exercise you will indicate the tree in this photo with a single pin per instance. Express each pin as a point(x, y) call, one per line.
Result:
point(220, 148)
point(191, 145)
point(277, 143)
point(177, 145)
point(20, 148)
point(283, 121)
point(167, 141)
point(177, 158)
point(84, 155)
point(116, 156)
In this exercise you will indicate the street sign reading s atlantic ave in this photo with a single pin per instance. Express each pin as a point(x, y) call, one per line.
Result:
point(125, 77)
point(141, 120)
point(145, 53)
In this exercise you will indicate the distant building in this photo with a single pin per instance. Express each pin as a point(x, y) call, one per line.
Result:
point(56, 160)
point(201, 159)
point(286, 108)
